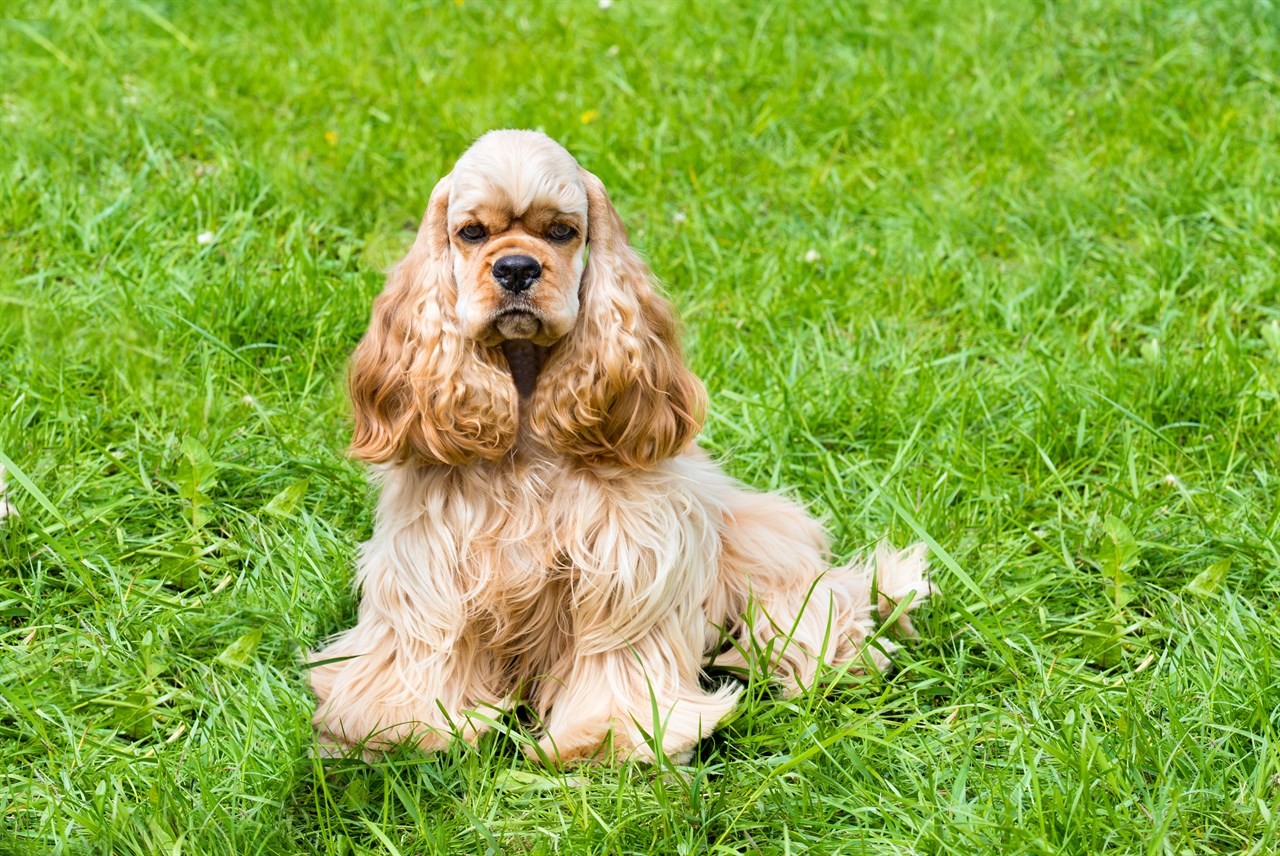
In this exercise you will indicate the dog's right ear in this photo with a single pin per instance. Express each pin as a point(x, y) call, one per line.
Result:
point(419, 389)
point(616, 391)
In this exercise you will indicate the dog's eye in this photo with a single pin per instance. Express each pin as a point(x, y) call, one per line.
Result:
point(473, 232)
point(561, 232)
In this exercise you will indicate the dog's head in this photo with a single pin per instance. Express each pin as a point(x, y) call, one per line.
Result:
point(522, 294)
point(517, 220)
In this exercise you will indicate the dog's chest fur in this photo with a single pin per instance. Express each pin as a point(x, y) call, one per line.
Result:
point(522, 553)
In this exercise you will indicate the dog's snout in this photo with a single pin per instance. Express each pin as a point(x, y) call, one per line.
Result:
point(516, 273)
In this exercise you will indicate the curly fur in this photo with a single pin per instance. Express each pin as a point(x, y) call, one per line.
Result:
point(547, 532)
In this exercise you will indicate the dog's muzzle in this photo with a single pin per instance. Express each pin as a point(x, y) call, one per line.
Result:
point(517, 324)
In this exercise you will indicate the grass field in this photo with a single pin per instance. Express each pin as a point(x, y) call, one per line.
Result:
point(1001, 275)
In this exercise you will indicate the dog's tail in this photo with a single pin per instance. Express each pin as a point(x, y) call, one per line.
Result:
point(901, 577)
point(790, 613)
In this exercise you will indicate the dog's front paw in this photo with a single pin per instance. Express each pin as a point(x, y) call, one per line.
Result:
point(630, 733)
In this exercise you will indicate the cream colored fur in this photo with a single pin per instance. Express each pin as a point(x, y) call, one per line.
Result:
point(569, 549)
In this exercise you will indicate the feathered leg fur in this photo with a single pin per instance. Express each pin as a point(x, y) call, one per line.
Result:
point(597, 598)
point(641, 552)
point(414, 665)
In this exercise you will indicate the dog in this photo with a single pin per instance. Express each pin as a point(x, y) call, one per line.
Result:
point(548, 532)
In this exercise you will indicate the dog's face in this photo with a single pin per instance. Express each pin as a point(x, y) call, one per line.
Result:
point(493, 325)
point(517, 225)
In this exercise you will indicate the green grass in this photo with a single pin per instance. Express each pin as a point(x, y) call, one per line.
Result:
point(1043, 329)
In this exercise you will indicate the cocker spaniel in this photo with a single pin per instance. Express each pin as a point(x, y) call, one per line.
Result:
point(548, 532)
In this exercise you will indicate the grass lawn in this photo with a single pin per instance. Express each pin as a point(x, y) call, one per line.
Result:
point(1004, 276)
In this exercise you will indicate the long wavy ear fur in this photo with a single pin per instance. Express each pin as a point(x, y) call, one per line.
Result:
point(419, 389)
point(615, 390)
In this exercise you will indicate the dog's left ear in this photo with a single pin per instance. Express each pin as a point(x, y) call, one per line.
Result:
point(421, 391)
point(616, 390)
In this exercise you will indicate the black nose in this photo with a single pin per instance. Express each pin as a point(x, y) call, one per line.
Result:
point(516, 273)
